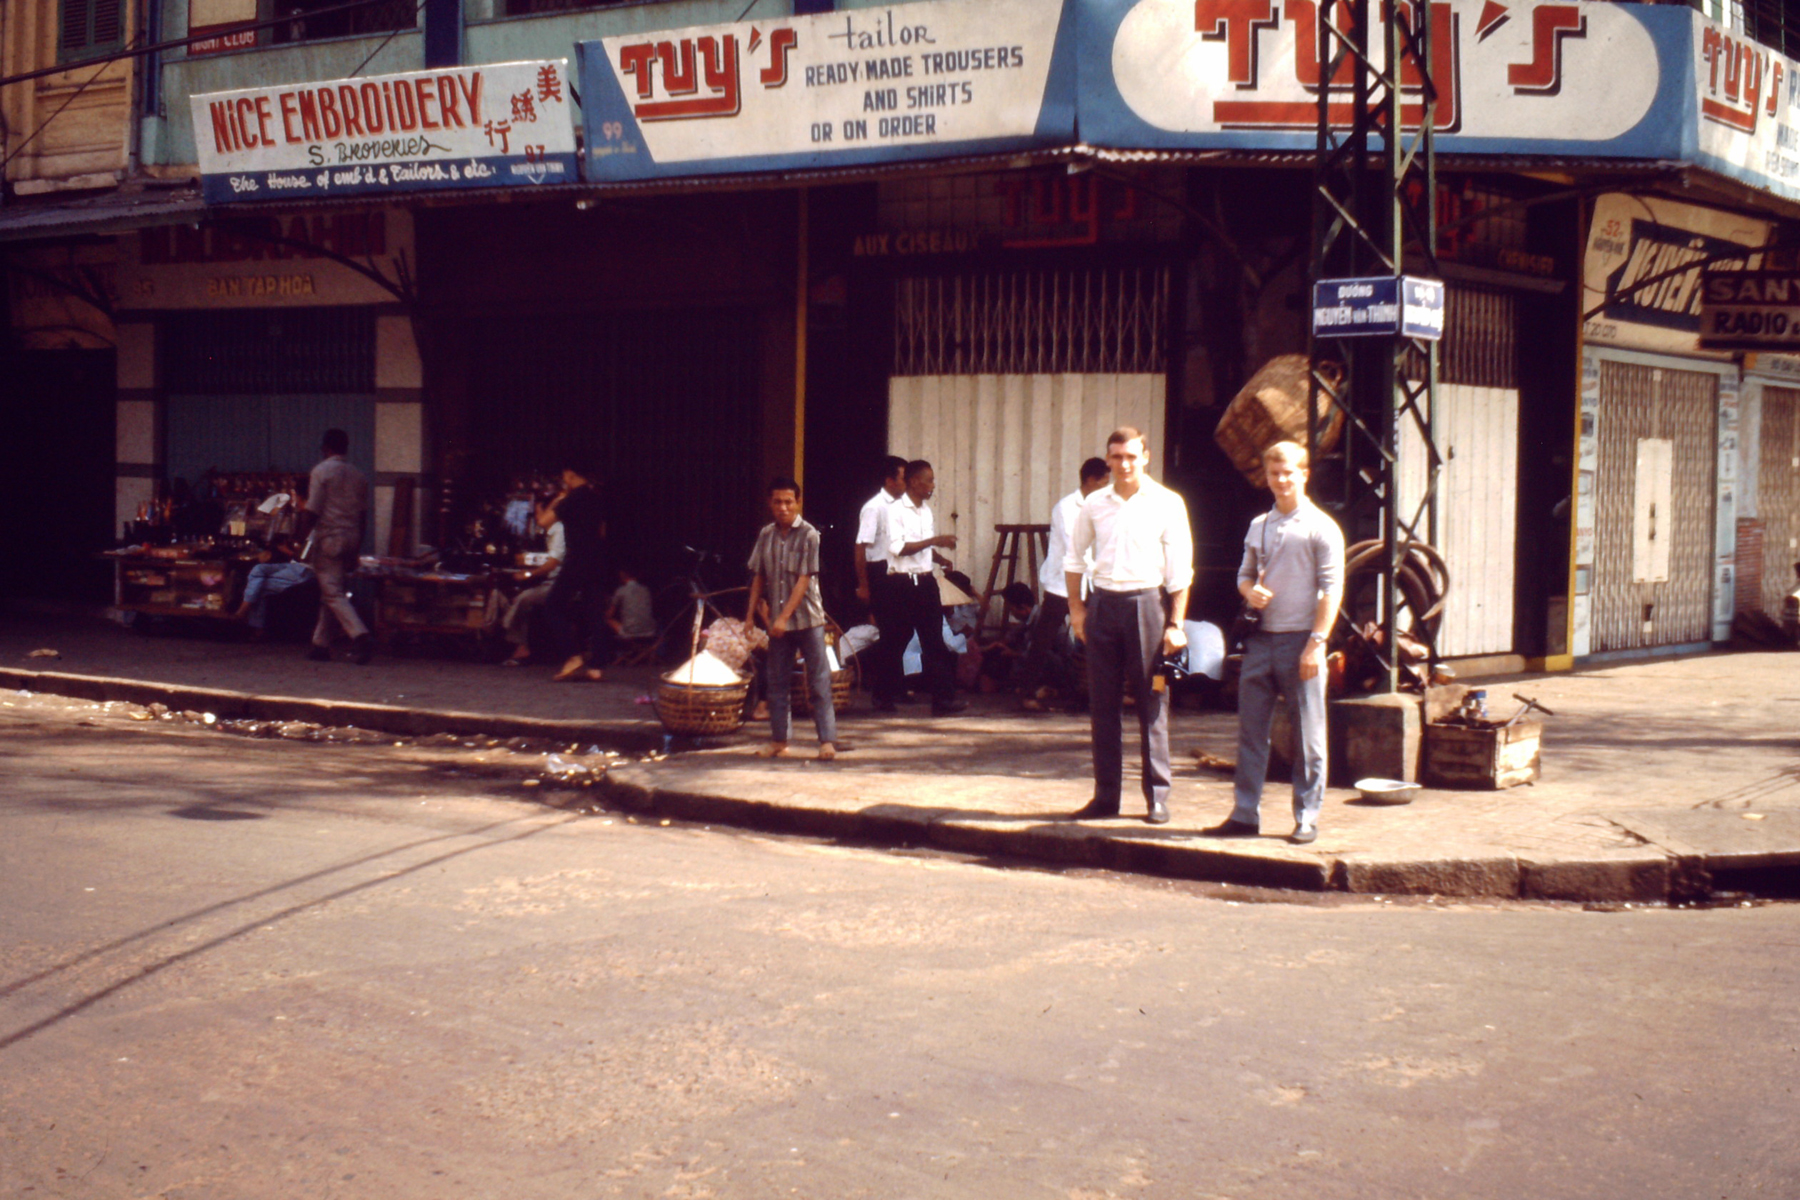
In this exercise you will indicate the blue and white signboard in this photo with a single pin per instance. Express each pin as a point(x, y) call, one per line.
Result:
point(924, 80)
point(1381, 306)
point(1568, 77)
point(492, 125)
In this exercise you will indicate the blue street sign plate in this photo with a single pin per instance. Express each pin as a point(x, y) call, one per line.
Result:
point(1381, 306)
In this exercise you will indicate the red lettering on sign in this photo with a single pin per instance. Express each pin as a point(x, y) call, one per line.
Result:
point(1236, 23)
point(1551, 25)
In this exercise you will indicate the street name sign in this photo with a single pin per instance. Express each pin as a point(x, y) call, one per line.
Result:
point(1379, 306)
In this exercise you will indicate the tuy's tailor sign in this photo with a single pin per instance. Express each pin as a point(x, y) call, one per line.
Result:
point(868, 85)
point(494, 125)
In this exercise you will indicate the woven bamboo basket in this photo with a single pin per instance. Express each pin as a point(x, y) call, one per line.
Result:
point(843, 685)
point(1272, 408)
point(693, 710)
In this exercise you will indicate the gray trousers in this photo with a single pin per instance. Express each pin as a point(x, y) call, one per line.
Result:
point(1271, 669)
point(810, 644)
point(1124, 642)
point(333, 559)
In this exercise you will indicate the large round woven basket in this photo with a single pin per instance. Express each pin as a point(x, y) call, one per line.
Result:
point(843, 684)
point(701, 711)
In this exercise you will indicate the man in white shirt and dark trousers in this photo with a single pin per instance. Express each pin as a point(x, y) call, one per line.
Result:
point(872, 562)
point(1293, 574)
point(1143, 565)
point(913, 540)
point(1053, 610)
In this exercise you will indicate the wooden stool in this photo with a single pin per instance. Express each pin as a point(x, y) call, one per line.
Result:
point(1034, 542)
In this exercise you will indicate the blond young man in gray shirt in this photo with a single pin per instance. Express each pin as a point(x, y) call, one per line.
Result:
point(1293, 575)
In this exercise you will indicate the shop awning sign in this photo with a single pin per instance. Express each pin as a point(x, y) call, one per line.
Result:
point(921, 80)
point(1750, 310)
point(492, 125)
point(1379, 306)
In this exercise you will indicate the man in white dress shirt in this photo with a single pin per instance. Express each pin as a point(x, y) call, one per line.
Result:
point(872, 563)
point(913, 541)
point(1143, 565)
point(1053, 612)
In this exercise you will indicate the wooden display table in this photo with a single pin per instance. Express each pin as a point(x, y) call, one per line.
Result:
point(192, 580)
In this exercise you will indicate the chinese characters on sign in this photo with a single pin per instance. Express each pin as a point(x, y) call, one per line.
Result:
point(497, 125)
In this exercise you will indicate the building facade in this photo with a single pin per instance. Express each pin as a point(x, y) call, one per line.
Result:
point(693, 247)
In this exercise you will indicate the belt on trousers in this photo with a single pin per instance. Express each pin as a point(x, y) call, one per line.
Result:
point(911, 576)
point(1132, 595)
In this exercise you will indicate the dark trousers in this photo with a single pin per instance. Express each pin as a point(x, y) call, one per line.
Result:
point(1124, 642)
point(1046, 660)
point(574, 614)
point(918, 610)
point(884, 656)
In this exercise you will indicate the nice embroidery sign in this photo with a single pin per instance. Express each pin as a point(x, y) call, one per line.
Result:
point(496, 125)
point(912, 80)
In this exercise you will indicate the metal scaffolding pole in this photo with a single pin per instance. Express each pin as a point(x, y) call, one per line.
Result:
point(1374, 216)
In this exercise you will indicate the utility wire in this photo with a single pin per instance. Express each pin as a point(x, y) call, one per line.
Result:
point(178, 43)
point(390, 37)
point(45, 124)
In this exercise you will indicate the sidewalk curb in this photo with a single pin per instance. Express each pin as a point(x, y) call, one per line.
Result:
point(1643, 877)
point(1648, 874)
point(387, 718)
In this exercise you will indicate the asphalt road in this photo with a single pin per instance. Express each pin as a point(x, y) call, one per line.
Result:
point(235, 969)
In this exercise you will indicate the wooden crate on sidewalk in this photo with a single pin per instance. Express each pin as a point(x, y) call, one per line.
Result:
point(1502, 756)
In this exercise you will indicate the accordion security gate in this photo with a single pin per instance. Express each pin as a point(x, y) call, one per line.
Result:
point(1638, 404)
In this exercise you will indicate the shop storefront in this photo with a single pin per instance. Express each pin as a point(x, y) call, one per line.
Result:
point(241, 342)
point(1656, 496)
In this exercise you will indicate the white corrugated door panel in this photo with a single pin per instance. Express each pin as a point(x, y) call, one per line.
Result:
point(1007, 447)
point(1653, 487)
point(1477, 517)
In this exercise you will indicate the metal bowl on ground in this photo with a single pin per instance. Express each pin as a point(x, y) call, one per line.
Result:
point(1387, 791)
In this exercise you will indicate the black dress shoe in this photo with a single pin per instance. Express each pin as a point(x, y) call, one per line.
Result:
point(1158, 814)
point(362, 649)
point(950, 709)
point(1231, 827)
point(318, 653)
point(1096, 810)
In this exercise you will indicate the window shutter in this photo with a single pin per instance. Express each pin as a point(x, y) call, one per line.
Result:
point(108, 25)
point(74, 26)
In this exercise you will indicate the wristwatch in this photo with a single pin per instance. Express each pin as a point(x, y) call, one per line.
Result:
point(1316, 637)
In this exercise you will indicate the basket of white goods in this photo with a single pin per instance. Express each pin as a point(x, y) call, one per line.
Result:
point(703, 697)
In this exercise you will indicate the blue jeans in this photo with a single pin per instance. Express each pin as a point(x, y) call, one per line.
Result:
point(1272, 668)
point(811, 644)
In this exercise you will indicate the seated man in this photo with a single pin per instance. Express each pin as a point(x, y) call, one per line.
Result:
point(517, 621)
point(629, 614)
point(1000, 656)
point(279, 572)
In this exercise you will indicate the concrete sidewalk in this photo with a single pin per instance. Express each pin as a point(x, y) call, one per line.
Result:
point(1663, 780)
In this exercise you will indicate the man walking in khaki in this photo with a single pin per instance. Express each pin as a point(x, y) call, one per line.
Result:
point(337, 499)
point(1143, 565)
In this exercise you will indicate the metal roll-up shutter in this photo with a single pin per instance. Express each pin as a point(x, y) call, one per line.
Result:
point(253, 390)
point(1778, 494)
point(1654, 497)
point(1007, 381)
point(1478, 439)
point(648, 398)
